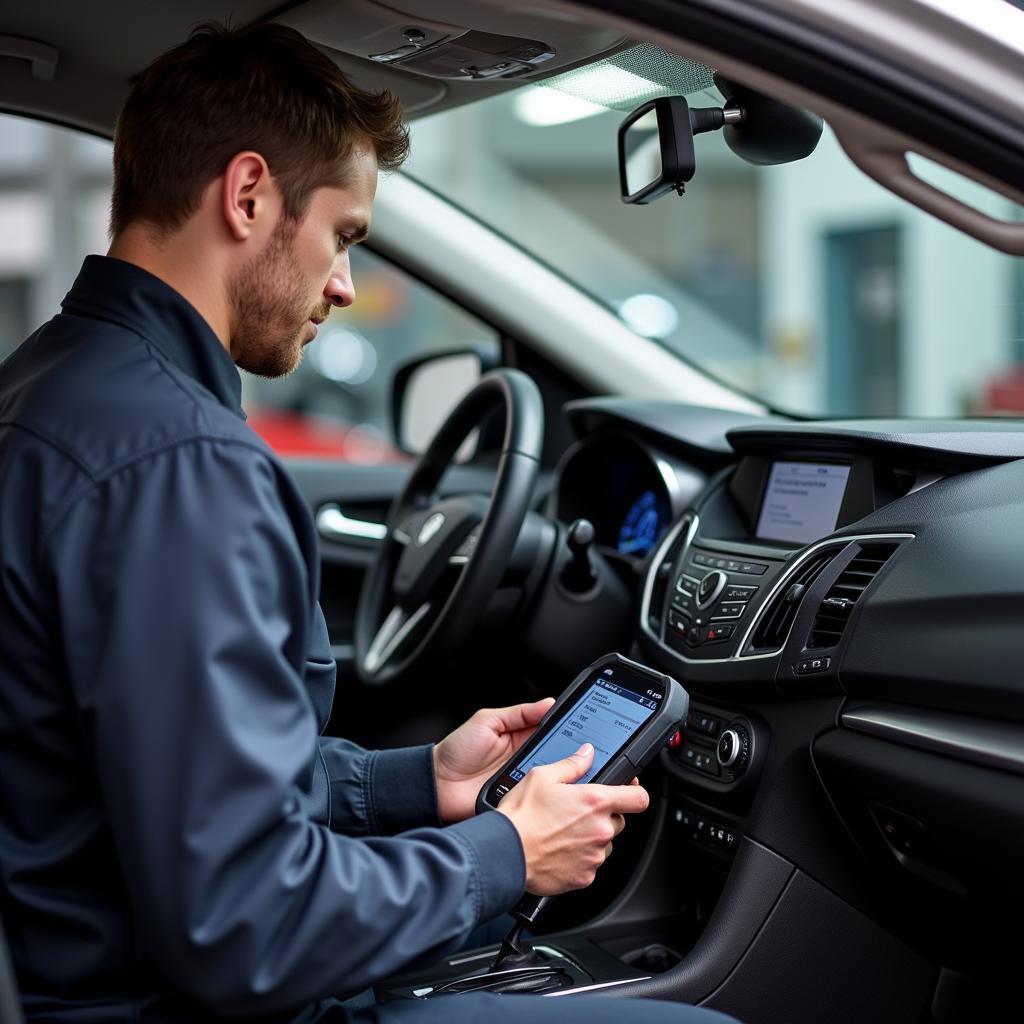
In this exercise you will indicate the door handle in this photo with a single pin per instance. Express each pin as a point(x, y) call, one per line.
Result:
point(333, 524)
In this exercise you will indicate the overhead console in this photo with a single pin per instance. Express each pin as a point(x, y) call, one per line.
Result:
point(435, 41)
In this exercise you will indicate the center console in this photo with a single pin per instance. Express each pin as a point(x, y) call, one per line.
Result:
point(746, 600)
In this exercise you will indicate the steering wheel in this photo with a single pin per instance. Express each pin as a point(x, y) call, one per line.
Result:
point(405, 613)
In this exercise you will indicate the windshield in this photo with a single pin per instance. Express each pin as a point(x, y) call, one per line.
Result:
point(806, 285)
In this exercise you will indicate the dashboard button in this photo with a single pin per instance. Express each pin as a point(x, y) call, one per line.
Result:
point(695, 636)
point(678, 623)
point(706, 724)
point(753, 568)
point(704, 761)
point(700, 559)
point(721, 631)
point(684, 603)
point(810, 665)
point(738, 593)
point(732, 566)
point(729, 611)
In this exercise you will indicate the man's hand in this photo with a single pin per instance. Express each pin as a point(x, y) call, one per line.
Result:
point(465, 759)
point(567, 830)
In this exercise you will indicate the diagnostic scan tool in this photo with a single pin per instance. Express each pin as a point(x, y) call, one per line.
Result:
point(626, 710)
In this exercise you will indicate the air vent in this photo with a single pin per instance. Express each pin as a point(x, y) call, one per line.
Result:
point(778, 618)
point(837, 605)
point(662, 579)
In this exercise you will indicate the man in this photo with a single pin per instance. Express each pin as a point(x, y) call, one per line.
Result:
point(177, 842)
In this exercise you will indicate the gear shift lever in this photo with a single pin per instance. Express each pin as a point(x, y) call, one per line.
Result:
point(515, 950)
point(518, 967)
point(578, 575)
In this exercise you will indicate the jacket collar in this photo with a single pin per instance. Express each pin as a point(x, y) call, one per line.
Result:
point(122, 293)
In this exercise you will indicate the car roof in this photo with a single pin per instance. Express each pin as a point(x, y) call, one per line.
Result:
point(934, 77)
point(97, 47)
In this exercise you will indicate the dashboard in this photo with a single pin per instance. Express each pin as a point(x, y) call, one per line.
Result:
point(758, 543)
point(844, 602)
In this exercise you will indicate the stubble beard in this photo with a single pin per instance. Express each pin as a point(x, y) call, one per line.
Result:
point(270, 309)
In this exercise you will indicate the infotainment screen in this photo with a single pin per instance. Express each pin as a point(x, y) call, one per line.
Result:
point(801, 501)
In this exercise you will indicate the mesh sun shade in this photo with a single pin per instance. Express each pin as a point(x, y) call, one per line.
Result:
point(632, 77)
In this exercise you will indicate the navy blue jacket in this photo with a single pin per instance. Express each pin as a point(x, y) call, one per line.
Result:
point(176, 836)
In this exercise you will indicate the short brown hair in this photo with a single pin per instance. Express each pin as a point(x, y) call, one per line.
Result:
point(222, 91)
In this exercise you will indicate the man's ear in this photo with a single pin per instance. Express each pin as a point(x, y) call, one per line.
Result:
point(249, 197)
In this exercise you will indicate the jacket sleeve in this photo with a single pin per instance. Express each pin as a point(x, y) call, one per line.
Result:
point(370, 792)
point(185, 603)
point(379, 792)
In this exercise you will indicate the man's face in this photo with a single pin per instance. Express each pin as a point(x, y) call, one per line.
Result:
point(281, 294)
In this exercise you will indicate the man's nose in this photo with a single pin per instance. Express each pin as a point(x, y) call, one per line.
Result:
point(339, 290)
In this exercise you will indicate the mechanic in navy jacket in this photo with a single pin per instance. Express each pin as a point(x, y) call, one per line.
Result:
point(177, 840)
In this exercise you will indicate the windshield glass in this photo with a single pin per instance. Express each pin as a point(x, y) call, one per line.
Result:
point(806, 284)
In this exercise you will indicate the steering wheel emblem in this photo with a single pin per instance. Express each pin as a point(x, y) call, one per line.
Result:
point(429, 529)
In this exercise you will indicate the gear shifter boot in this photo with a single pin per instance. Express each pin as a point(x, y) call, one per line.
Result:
point(516, 951)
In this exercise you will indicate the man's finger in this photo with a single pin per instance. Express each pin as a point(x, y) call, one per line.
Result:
point(570, 768)
point(522, 716)
point(626, 799)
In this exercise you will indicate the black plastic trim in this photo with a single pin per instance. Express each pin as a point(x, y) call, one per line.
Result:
point(993, 744)
point(756, 882)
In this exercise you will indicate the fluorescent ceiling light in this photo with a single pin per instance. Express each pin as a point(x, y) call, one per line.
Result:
point(538, 106)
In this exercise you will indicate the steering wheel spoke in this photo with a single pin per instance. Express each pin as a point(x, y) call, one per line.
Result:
point(397, 627)
point(408, 527)
point(464, 552)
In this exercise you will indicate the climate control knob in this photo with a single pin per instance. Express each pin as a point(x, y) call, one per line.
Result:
point(733, 748)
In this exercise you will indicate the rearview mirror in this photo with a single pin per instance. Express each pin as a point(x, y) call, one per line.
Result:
point(656, 153)
point(656, 150)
